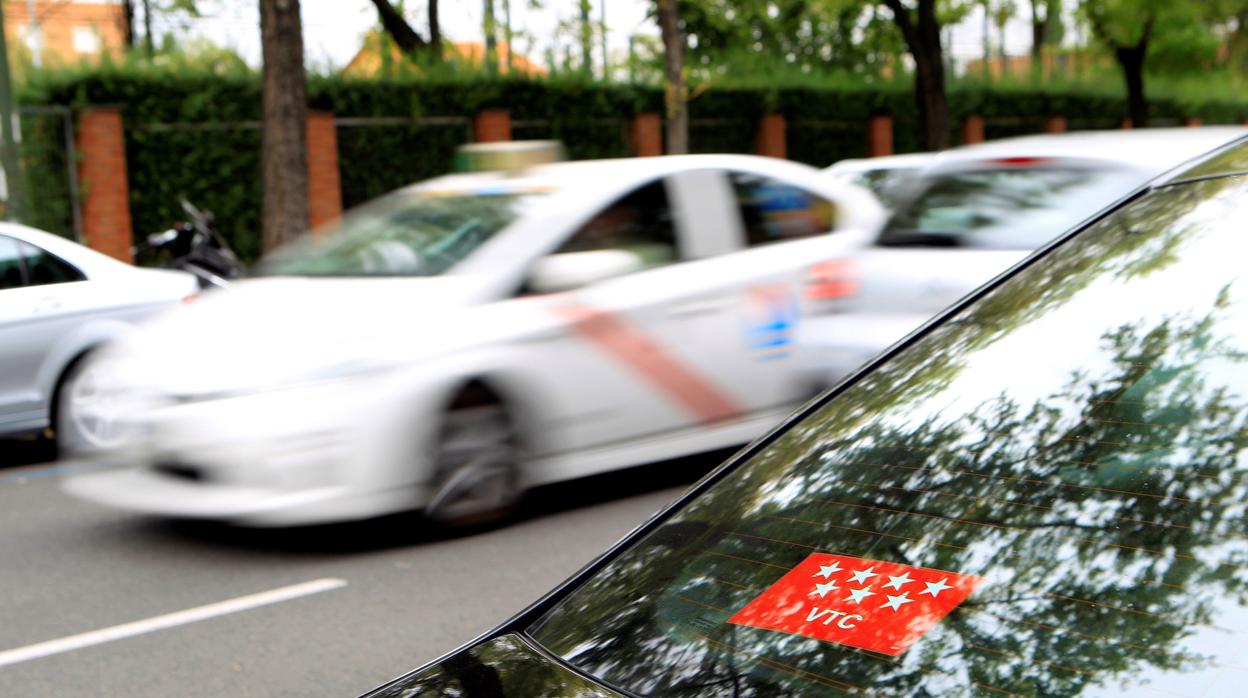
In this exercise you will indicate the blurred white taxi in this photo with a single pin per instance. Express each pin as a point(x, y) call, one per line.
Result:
point(460, 340)
point(58, 301)
point(975, 211)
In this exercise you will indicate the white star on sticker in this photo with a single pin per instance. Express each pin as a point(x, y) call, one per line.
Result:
point(823, 589)
point(861, 576)
point(899, 581)
point(935, 588)
point(857, 595)
point(896, 602)
point(826, 571)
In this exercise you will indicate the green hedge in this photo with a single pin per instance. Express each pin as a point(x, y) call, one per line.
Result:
point(197, 135)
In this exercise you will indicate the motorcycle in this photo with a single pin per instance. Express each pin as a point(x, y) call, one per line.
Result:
point(194, 246)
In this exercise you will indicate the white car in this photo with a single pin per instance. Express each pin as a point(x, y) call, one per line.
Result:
point(975, 211)
point(58, 301)
point(460, 340)
point(888, 176)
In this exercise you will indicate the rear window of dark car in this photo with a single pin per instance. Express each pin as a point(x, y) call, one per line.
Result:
point(1004, 207)
point(1045, 495)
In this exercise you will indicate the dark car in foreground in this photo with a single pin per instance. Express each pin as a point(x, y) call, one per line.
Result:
point(1042, 492)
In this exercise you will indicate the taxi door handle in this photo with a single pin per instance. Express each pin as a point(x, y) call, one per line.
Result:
point(698, 306)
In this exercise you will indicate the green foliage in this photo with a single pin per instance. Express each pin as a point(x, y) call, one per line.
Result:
point(193, 132)
point(809, 35)
point(44, 163)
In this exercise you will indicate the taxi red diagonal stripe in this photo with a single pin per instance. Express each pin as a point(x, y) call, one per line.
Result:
point(630, 346)
point(870, 604)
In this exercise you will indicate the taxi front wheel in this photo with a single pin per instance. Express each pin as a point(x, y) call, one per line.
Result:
point(476, 469)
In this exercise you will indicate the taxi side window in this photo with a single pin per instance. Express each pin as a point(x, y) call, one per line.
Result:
point(641, 222)
point(775, 211)
point(43, 268)
point(10, 264)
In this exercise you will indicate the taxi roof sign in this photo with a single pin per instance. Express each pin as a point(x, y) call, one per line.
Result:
point(507, 156)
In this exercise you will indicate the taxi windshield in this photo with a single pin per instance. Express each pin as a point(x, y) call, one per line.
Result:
point(405, 233)
point(1046, 494)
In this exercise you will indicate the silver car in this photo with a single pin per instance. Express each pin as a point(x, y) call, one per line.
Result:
point(975, 211)
point(58, 301)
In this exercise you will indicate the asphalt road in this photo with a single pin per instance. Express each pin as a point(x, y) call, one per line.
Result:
point(327, 611)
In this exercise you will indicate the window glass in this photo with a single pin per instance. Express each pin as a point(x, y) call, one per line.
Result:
point(10, 263)
point(640, 222)
point(890, 186)
point(1044, 495)
point(1004, 208)
point(774, 211)
point(43, 268)
point(405, 233)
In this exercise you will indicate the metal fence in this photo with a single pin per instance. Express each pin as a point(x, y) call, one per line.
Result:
point(48, 162)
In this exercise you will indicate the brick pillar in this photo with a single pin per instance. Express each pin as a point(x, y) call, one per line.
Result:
point(645, 135)
point(1055, 124)
point(879, 135)
point(101, 145)
point(1192, 122)
point(771, 139)
point(491, 126)
point(973, 129)
point(324, 187)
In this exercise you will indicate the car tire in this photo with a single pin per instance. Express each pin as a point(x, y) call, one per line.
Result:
point(81, 419)
point(476, 467)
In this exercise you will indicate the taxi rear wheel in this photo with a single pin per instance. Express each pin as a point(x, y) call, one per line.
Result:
point(476, 467)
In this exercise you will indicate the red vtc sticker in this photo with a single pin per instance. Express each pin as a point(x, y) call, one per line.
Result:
point(879, 606)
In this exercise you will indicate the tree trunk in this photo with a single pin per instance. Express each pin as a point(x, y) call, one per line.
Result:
point(1131, 58)
point(677, 99)
point(392, 21)
point(148, 43)
point(508, 35)
point(127, 23)
point(1039, 36)
point(284, 157)
point(923, 40)
point(1038, 27)
point(435, 32)
point(489, 27)
point(929, 88)
point(587, 39)
point(987, 44)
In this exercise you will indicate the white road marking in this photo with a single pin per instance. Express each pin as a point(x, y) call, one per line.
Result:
point(169, 620)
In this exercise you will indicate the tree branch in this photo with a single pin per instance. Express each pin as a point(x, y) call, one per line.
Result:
point(398, 28)
point(901, 16)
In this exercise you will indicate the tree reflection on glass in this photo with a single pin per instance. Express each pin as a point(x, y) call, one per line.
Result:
point(1077, 439)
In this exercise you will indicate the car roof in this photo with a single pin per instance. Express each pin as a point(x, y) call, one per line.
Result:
point(1155, 149)
point(588, 173)
point(883, 162)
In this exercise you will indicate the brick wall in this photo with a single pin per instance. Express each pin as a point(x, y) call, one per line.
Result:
point(102, 173)
point(491, 126)
point(879, 135)
point(771, 139)
point(645, 135)
point(324, 187)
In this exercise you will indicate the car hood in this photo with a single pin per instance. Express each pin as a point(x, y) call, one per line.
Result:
point(272, 331)
point(505, 666)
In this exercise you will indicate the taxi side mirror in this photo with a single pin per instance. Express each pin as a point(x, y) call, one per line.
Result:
point(569, 270)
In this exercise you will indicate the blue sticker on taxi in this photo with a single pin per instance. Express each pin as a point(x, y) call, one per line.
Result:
point(771, 314)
